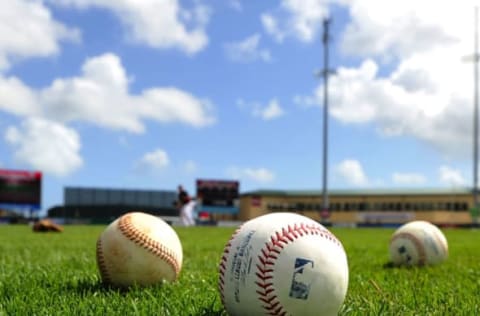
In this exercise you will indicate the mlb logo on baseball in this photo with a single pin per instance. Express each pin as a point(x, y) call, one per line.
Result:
point(301, 286)
point(283, 264)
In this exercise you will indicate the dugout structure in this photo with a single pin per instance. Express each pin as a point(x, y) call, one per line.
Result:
point(389, 207)
point(103, 205)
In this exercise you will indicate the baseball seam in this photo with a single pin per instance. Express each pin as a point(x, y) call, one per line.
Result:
point(269, 254)
point(440, 242)
point(223, 265)
point(422, 255)
point(127, 228)
point(101, 263)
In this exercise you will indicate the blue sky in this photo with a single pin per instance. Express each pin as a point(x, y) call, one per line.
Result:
point(150, 94)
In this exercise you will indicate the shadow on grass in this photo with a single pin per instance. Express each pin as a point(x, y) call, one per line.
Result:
point(87, 287)
point(389, 265)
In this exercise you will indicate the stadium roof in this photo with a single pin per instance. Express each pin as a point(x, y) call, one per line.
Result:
point(362, 192)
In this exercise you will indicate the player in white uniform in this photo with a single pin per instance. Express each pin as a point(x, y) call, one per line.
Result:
point(187, 207)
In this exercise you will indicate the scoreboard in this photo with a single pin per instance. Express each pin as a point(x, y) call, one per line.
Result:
point(19, 188)
point(218, 193)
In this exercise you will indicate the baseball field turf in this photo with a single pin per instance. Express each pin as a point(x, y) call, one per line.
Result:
point(56, 274)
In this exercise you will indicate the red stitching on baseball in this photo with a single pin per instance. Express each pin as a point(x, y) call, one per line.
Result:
point(222, 266)
point(101, 263)
point(127, 228)
point(422, 256)
point(269, 253)
point(266, 292)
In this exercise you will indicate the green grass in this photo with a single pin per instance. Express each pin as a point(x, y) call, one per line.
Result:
point(56, 274)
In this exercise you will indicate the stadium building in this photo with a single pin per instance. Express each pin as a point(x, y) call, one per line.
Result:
point(97, 205)
point(221, 200)
point(444, 207)
point(389, 207)
point(216, 200)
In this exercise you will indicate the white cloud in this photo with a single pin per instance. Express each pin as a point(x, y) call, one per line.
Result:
point(190, 166)
point(236, 5)
point(306, 100)
point(260, 175)
point(270, 24)
point(173, 105)
point(271, 111)
point(154, 160)
point(27, 29)
point(247, 50)
point(267, 112)
point(17, 98)
point(299, 19)
point(351, 171)
point(403, 28)
point(434, 112)
point(451, 177)
point(159, 24)
point(100, 96)
point(408, 178)
point(426, 92)
point(45, 145)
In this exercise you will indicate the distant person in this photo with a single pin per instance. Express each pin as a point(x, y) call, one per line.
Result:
point(187, 206)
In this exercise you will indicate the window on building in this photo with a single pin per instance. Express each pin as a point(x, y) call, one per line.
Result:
point(461, 206)
point(362, 206)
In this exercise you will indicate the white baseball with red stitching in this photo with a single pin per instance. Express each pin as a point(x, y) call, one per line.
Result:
point(418, 243)
point(283, 264)
point(138, 248)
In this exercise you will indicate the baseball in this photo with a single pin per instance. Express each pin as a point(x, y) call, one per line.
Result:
point(138, 248)
point(418, 243)
point(283, 264)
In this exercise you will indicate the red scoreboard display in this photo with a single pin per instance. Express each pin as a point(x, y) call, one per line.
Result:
point(222, 193)
point(19, 188)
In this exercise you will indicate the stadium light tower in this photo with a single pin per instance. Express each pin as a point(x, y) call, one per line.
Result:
point(476, 57)
point(325, 73)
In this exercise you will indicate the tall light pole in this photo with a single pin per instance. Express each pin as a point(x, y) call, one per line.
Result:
point(475, 113)
point(326, 72)
point(475, 58)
